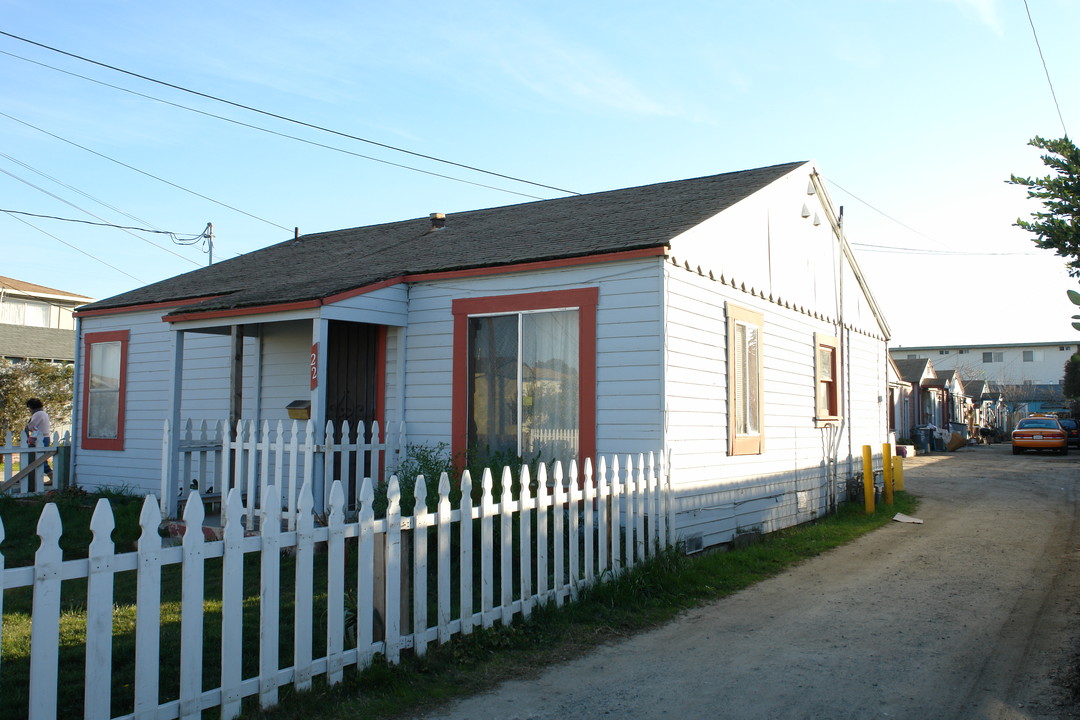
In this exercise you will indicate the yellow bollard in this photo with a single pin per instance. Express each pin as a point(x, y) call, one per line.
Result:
point(886, 472)
point(868, 479)
point(898, 473)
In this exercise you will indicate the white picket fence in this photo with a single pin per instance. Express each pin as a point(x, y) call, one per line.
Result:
point(571, 531)
point(19, 445)
point(285, 455)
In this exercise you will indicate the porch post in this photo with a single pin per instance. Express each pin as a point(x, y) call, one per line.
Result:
point(320, 340)
point(172, 484)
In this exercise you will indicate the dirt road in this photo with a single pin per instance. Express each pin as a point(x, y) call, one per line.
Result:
point(972, 614)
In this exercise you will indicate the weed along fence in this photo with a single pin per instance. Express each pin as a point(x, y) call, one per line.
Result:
point(214, 458)
point(166, 632)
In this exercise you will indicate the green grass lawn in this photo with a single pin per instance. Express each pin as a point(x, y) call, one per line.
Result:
point(649, 595)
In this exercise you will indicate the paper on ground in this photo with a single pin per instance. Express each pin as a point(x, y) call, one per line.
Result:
point(901, 517)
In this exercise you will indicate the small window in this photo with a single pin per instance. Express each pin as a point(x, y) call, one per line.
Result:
point(827, 376)
point(942, 352)
point(104, 390)
point(746, 434)
point(1065, 348)
point(964, 352)
point(1029, 356)
point(992, 357)
point(912, 357)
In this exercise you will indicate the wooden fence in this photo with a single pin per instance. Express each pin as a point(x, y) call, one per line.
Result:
point(32, 458)
point(254, 457)
point(442, 571)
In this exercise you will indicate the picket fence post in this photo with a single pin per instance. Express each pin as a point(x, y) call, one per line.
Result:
point(543, 501)
point(45, 629)
point(419, 537)
point(269, 604)
point(465, 584)
point(443, 543)
point(487, 551)
point(303, 589)
point(191, 608)
point(365, 576)
point(335, 585)
point(97, 689)
point(525, 543)
point(558, 512)
point(506, 542)
point(148, 611)
point(392, 605)
point(232, 605)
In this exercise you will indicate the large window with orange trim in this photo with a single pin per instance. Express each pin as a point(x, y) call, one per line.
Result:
point(525, 375)
point(104, 389)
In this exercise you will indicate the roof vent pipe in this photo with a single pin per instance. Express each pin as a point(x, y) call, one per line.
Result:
point(438, 221)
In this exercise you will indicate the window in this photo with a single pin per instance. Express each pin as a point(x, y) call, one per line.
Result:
point(1029, 356)
point(942, 352)
point(104, 388)
point(992, 357)
point(964, 352)
point(912, 357)
point(827, 376)
point(745, 388)
point(1065, 348)
point(525, 374)
point(27, 313)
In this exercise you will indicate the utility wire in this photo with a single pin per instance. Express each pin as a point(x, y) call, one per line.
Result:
point(288, 119)
point(74, 189)
point(268, 131)
point(174, 236)
point(77, 249)
point(143, 172)
point(1045, 69)
point(914, 251)
point(66, 202)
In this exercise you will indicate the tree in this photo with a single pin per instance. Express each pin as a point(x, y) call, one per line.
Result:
point(1070, 386)
point(1057, 227)
point(36, 378)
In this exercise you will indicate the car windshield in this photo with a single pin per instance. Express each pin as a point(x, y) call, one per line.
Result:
point(1037, 423)
point(1067, 423)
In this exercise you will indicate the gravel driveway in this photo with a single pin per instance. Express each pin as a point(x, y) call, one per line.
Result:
point(972, 614)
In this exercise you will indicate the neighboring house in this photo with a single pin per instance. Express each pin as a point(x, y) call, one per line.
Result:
point(1002, 364)
point(36, 322)
point(927, 392)
point(723, 319)
point(901, 412)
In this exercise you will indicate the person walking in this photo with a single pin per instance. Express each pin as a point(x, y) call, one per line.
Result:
point(39, 426)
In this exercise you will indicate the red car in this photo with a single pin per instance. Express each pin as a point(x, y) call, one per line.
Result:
point(1040, 433)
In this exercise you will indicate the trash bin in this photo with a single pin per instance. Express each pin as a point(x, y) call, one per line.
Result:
point(923, 437)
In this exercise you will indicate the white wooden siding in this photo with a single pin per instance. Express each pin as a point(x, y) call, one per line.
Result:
point(717, 494)
point(628, 351)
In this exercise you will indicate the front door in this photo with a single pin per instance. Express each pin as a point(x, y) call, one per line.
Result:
point(351, 375)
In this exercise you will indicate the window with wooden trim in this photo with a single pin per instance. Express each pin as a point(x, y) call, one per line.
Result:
point(104, 390)
point(525, 374)
point(746, 414)
point(827, 378)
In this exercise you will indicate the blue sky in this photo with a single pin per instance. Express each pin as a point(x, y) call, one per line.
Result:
point(916, 111)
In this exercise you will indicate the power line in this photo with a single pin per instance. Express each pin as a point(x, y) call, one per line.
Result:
point(288, 119)
point(143, 172)
point(1045, 69)
point(914, 251)
point(66, 202)
point(175, 236)
point(268, 131)
point(77, 249)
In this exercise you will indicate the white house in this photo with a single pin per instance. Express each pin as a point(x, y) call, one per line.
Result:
point(1000, 364)
point(723, 319)
point(37, 322)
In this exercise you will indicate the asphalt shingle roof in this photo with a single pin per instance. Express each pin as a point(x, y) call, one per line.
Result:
point(323, 264)
point(39, 343)
point(911, 369)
